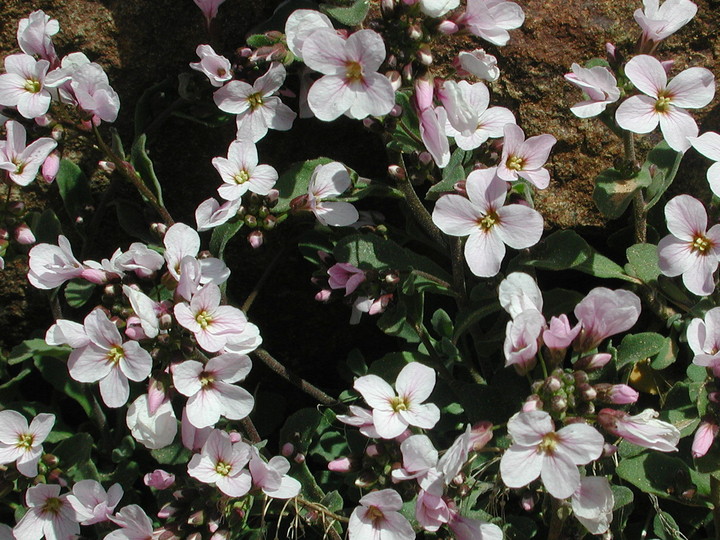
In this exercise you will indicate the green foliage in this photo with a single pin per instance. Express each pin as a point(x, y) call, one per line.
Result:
point(637, 347)
point(74, 189)
point(142, 163)
point(221, 236)
point(643, 262)
point(351, 15)
point(78, 292)
point(295, 181)
point(614, 191)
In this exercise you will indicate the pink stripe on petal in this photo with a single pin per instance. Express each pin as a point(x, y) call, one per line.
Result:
point(330, 97)
point(486, 190)
point(647, 74)
point(519, 227)
point(388, 423)
point(456, 216)
point(375, 391)
point(520, 465)
point(675, 256)
point(676, 126)
point(693, 88)
point(415, 382)
point(698, 279)
point(114, 388)
point(560, 475)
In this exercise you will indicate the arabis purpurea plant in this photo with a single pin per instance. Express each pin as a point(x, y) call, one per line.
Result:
point(505, 408)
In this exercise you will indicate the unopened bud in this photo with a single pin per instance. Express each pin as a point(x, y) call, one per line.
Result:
point(255, 238)
point(159, 229)
point(396, 111)
point(342, 465)
point(50, 167)
point(58, 132)
point(395, 79)
point(323, 295)
point(448, 27)
point(558, 404)
point(387, 8)
point(407, 73)
point(414, 32)
point(373, 451)
point(396, 172)
point(288, 449)
point(593, 361)
point(299, 458)
point(24, 236)
point(51, 460)
point(424, 55)
point(552, 384)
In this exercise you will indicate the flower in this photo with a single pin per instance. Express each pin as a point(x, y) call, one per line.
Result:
point(351, 83)
point(478, 63)
point(704, 339)
point(642, 429)
point(272, 477)
point(108, 360)
point(521, 340)
point(300, 25)
point(661, 21)
point(600, 86)
point(93, 93)
point(525, 158)
point(21, 162)
point(329, 181)
point(491, 19)
point(210, 388)
point(538, 450)
point(92, 503)
point(211, 323)
point(222, 463)
point(210, 213)
point(708, 144)
point(437, 8)
point(256, 107)
point(665, 102)
point(559, 334)
point(393, 413)
point(378, 517)
point(216, 67)
point(690, 249)
point(518, 293)
point(25, 83)
point(345, 276)
point(419, 457)
point(153, 429)
point(593, 503)
point(35, 33)
point(362, 419)
point(209, 9)
point(51, 266)
point(159, 479)
point(604, 313)
point(49, 514)
point(241, 173)
point(134, 523)
point(22, 443)
point(488, 224)
point(704, 437)
point(466, 528)
point(140, 259)
point(432, 132)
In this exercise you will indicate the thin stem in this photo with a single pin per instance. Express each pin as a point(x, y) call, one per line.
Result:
point(322, 509)
point(639, 207)
point(302, 384)
point(266, 274)
point(458, 266)
point(556, 521)
point(123, 167)
point(436, 279)
point(437, 360)
point(250, 430)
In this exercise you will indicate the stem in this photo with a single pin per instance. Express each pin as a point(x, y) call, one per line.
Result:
point(291, 377)
point(250, 430)
point(266, 274)
point(123, 167)
point(556, 521)
point(639, 209)
point(436, 279)
point(320, 508)
point(437, 360)
point(715, 500)
point(458, 266)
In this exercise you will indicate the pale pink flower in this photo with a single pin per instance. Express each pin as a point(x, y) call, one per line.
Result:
point(146, 309)
point(108, 360)
point(362, 419)
point(65, 332)
point(51, 266)
point(592, 504)
point(246, 341)
point(134, 524)
point(690, 249)
point(25, 85)
point(665, 102)
point(604, 313)
point(432, 510)
point(484, 122)
point(559, 334)
point(159, 479)
point(211, 323)
point(328, 181)
point(215, 67)
point(210, 213)
point(432, 132)
point(35, 33)
point(642, 429)
point(222, 463)
point(460, 114)
point(518, 293)
point(345, 276)
point(21, 162)
point(525, 158)
point(153, 429)
point(466, 528)
point(93, 93)
point(211, 390)
point(454, 459)
point(241, 173)
point(300, 25)
point(708, 144)
point(22, 443)
point(49, 514)
point(478, 63)
point(209, 9)
point(351, 83)
point(141, 260)
point(378, 517)
point(600, 86)
point(272, 477)
point(704, 437)
point(521, 341)
point(183, 241)
point(704, 339)
point(488, 224)
point(491, 19)
point(192, 437)
point(419, 457)
point(437, 8)
point(393, 413)
point(661, 21)
point(92, 503)
point(538, 450)
point(256, 106)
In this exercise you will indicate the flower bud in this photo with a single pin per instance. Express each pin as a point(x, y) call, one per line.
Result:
point(396, 172)
point(448, 27)
point(24, 236)
point(619, 394)
point(552, 384)
point(532, 403)
point(159, 229)
point(396, 111)
point(342, 465)
point(288, 449)
point(704, 437)
point(299, 458)
point(50, 167)
point(593, 361)
point(323, 295)
point(387, 7)
point(424, 55)
point(159, 479)
point(425, 158)
point(414, 32)
point(395, 79)
point(255, 238)
point(373, 451)
point(58, 132)
point(480, 434)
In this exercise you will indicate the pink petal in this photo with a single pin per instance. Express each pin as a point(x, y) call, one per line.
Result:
point(375, 391)
point(89, 364)
point(647, 74)
point(114, 388)
point(637, 114)
point(385, 499)
point(12, 425)
point(40, 427)
point(676, 126)
point(204, 408)
point(388, 423)
point(486, 190)
point(330, 97)
point(686, 217)
point(271, 81)
point(423, 416)
point(325, 51)
point(560, 475)
point(693, 88)
point(484, 252)
point(536, 150)
point(415, 382)
point(698, 278)
point(675, 256)
point(367, 48)
point(232, 98)
point(581, 443)
point(519, 226)
point(529, 428)
point(455, 215)
point(337, 214)
point(708, 144)
point(520, 465)
point(236, 402)
point(375, 97)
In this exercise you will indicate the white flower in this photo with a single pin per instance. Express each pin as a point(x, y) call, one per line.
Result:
point(153, 431)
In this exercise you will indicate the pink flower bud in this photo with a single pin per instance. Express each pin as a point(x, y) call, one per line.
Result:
point(159, 479)
point(235, 437)
point(396, 111)
point(50, 167)
point(425, 158)
point(611, 51)
point(166, 511)
point(621, 394)
point(667, 65)
point(593, 361)
point(106, 166)
point(323, 295)
point(528, 501)
point(395, 79)
point(424, 55)
point(256, 239)
point(24, 236)
point(288, 449)
point(43, 120)
point(559, 334)
point(414, 32)
point(404, 435)
point(373, 450)
point(58, 132)
point(704, 437)
point(93, 275)
point(480, 435)
point(156, 396)
point(133, 327)
point(396, 171)
point(448, 27)
point(424, 92)
point(299, 458)
point(341, 465)
point(532, 403)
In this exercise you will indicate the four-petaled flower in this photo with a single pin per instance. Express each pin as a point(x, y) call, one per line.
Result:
point(393, 413)
point(525, 158)
point(241, 173)
point(21, 162)
point(22, 443)
point(600, 86)
point(378, 517)
point(222, 463)
point(329, 181)
point(49, 514)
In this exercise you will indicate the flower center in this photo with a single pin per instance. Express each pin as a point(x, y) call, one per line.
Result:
point(206, 379)
point(353, 71)
point(25, 440)
point(255, 100)
point(203, 318)
point(374, 513)
point(489, 221)
point(52, 505)
point(222, 468)
point(19, 165)
point(701, 244)
point(32, 86)
point(662, 104)
point(549, 443)
point(241, 177)
point(399, 404)
point(516, 163)
point(115, 354)
point(221, 72)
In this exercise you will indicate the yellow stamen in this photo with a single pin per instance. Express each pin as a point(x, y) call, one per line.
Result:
point(662, 104)
point(25, 441)
point(223, 469)
point(516, 163)
point(255, 100)
point(374, 513)
point(115, 354)
point(701, 244)
point(203, 318)
point(489, 221)
point(241, 177)
point(52, 505)
point(353, 71)
point(32, 86)
point(399, 404)
point(549, 443)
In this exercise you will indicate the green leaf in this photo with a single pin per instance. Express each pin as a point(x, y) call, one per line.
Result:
point(78, 292)
point(350, 16)
point(131, 218)
point(643, 262)
point(453, 173)
point(74, 188)
point(75, 457)
point(330, 445)
point(665, 527)
point(260, 40)
point(301, 427)
point(221, 236)
point(614, 191)
point(442, 323)
point(36, 347)
point(666, 356)
point(680, 409)
point(56, 373)
point(659, 171)
point(46, 227)
point(295, 181)
point(622, 496)
point(144, 166)
point(174, 454)
point(637, 347)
